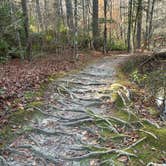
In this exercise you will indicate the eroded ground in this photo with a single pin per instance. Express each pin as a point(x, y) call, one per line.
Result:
point(54, 136)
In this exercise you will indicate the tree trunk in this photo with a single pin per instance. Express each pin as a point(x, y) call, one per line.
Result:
point(110, 31)
point(75, 30)
point(69, 13)
point(150, 22)
point(105, 27)
point(95, 25)
point(26, 29)
point(139, 23)
point(40, 22)
point(147, 24)
point(18, 38)
point(45, 15)
point(129, 25)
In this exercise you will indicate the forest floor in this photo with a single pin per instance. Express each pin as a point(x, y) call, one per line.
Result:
point(78, 118)
point(18, 78)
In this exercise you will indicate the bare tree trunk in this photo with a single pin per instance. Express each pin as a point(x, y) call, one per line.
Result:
point(76, 30)
point(69, 12)
point(39, 15)
point(147, 24)
point(105, 27)
point(26, 28)
point(110, 32)
point(139, 23)
point(95, 25)
point(88, 17)
point(150, 22)
point(129, 25)
point(84, 12)
point(45, 14)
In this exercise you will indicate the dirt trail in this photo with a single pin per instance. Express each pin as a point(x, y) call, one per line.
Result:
point(55, 135)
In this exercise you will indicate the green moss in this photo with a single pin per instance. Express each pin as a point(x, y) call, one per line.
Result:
point(35, 104)
point(151, 149)
point(19, 117)
point(16, 119)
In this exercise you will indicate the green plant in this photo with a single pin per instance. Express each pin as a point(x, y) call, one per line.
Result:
point(138, 78)
point(4, 46)
point(116, 45)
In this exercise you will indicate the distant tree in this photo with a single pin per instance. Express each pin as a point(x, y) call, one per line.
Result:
point(75, 29)
point(39, 15)
point(150, 21)
point(26, 28)
point(129, 25)
point(69, 13)
point(139, 23)
point(95, 25)
point(105, 27)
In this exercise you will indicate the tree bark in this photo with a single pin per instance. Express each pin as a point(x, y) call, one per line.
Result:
point(40, 22)
point(105, 27)
point(95, 25)
point(139, 23)
point(147, 24)
point(76, 30)
point(150, 21)
point(129, 25)
point(26, 28)
point(69, 13)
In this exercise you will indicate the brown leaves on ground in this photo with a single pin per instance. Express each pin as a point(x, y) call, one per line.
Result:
point(17, 76)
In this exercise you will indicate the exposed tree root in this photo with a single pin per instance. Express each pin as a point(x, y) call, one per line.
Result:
point(151, 123)
point(95, 75)
point(39, 153)
point(78, 122)
point(44, 113)
point(85, 84)
point(48, 133)
point(136, 143)
point(14, 151)
point(61, 119)
point(40, 131)
point(62, 89)
point(3, 162)
point(68, 110)
point(97, 154)
point(33, 140)
point(149, 133)
point(99, 117)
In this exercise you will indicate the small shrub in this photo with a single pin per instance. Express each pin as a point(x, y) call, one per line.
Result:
point(116, 45)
